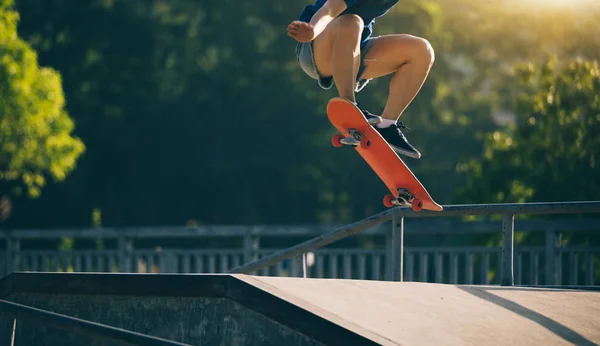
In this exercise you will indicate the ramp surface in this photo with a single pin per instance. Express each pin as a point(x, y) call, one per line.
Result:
point(204, 309)
point(436, 314)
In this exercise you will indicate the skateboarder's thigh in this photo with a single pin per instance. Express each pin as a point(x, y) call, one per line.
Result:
point(387, 53)
point(347, 26)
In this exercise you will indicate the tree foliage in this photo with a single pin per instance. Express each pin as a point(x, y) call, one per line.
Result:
point(551, 152)
point(35, 130)
point(197, 111)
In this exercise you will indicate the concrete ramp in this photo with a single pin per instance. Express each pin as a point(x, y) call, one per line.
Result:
point(202, 309)
point(435, 314)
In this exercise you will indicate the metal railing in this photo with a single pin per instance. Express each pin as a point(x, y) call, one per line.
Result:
point(375, 252)
point(397, 215)
point(78, 326)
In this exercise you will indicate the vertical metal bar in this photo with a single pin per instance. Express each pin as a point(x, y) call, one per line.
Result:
point(484, 269)
point(199, 258)
point(531, 267)
point(518, 269)
point(409, 266)
point(423, 270)
point(14, 332)
point(453, 267)
point(389, 260)
point(347, 266)
point(122, 250)
point(574, 264)
point(251, 247)
point(469, 268)
point(589, 268)
point(552, 265)
point(224, 263)
point(77, 264)
point(9, 253)
point(320, 265)
point(278, 268)
point(362, 263)
point(211, 263)
point(304, 265)
point(508, 248)
point(333, 266)
point(186, 260)
point(376, 267)
point(236, 260)
point(293, 267)
point(111, 264)
point(439, 267)
point(99, 260)
point(13, 254)
point(397, 250)
point(536, 269)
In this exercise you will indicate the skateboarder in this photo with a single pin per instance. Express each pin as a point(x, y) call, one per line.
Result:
point(335, 45)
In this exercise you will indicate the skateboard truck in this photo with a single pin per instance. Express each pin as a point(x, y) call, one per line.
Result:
point(355, 139)
point(404, 198)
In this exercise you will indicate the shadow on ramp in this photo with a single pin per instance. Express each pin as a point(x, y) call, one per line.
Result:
point(557, 328)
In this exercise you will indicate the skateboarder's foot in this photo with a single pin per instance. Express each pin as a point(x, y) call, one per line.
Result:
point(390, 131)
point(372, 118)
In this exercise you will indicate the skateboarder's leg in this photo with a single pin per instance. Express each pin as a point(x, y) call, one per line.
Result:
point(410, 59)
point(336, 53)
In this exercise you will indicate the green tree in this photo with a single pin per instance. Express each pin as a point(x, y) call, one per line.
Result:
point(198, 110)
point(551, 151)
point(35, 130)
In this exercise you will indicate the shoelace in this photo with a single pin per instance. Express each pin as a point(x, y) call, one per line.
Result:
point(398, 124)
point(401, 125)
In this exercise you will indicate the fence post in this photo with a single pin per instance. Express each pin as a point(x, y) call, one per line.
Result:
point(397, 247)
point(251, 247)
point(8, 254)
point(553, 240)
point(508, 249)
point(124, 254)
point(13, 253)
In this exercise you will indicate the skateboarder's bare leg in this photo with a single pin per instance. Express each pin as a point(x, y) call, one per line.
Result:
point(410, 58)
point(337, 53)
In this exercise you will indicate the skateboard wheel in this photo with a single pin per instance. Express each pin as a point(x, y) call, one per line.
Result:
point(336, 140)
point(388, 200)
point(365, 143)
point(417, 204)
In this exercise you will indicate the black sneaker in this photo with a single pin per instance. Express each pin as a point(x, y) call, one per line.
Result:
point(372, 118)
point(397, 140)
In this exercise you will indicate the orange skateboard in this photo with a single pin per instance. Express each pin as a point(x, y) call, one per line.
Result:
point(356, 131)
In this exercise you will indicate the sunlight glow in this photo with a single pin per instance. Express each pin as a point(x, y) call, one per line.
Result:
point(556, 3)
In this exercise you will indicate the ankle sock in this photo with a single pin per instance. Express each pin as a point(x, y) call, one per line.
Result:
point(386, 123)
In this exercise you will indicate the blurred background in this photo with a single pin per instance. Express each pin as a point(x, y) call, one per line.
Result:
point(155, 113)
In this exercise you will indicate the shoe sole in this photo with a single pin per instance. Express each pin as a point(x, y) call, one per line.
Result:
point(375, 120)
point(414, 155)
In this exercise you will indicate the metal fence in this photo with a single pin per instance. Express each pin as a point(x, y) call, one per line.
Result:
point(373, 249)
point(553, 266)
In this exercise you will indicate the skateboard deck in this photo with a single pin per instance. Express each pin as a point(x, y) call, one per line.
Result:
point(355, 130)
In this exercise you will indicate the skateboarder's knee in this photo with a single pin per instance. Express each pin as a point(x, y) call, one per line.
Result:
point(422, 50)
point(350, 24)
